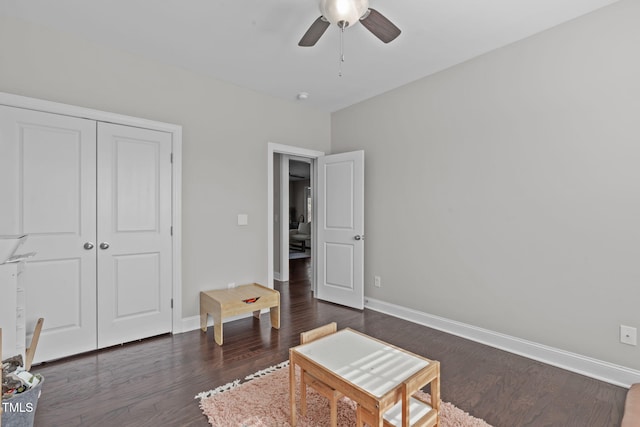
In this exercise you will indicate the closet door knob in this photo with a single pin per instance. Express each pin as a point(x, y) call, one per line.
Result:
point(104, 245)
point(88, 246)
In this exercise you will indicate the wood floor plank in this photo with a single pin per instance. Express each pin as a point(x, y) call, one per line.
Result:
point(153, 382)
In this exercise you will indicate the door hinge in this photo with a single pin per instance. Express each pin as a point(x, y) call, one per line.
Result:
point(171, 230)
point(171, 158)
point(171, 302)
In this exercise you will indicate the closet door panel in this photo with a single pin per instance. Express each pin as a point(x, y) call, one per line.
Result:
point(134, 230)
point(49, 181)
point(57, 319)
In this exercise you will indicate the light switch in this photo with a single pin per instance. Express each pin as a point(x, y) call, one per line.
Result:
point(243, 219)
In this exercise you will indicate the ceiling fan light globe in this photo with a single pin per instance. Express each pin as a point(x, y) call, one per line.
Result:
point(348, 11)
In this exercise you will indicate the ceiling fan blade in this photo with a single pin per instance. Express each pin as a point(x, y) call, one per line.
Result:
point(380, 26)
point(315, 31)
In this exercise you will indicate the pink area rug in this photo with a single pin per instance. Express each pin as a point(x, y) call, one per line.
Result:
point(263, 401)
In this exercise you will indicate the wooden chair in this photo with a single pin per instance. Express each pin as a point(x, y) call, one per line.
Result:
point(309, 380)
point(411, 411)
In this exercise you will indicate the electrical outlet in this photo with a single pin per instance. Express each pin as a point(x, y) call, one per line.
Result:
point(231, 285)
point(376, 282)
point(628, 335)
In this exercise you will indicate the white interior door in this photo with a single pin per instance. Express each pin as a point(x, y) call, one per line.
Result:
point(134, 233)
point(47, 189)
point(340, 212)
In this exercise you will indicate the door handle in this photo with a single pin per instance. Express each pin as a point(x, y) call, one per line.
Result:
point(88, 246)
point(358, 237)
point(104, 245)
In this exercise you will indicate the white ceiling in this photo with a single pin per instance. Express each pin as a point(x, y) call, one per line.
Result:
point(253, 43)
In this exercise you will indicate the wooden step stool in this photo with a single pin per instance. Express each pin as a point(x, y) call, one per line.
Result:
point(223, 303)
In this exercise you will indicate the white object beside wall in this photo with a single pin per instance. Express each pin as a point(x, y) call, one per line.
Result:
point(12, 310)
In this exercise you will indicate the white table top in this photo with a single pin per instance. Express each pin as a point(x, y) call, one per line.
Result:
point(365, 362)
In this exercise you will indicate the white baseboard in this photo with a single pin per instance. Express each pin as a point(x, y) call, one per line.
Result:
point(276, 275)
point(598, 369)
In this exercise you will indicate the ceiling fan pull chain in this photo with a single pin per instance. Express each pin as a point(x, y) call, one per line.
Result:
point(341, 50)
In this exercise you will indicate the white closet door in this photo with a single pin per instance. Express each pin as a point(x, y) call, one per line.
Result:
point(134, 233)
point(47, 188)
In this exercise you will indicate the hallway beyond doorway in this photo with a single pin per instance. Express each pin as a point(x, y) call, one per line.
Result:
point(299, 270)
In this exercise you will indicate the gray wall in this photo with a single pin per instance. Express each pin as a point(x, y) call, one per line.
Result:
point(226, 130)
point(505, 192)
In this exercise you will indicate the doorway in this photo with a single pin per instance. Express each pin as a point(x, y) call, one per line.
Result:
point(293, 213)
point(300, 208)
point(282, 222)
point(337, 268)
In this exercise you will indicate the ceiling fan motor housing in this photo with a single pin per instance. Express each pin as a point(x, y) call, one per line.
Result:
point(343, 12)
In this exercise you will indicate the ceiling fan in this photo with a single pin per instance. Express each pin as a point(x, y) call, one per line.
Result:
point(345, 13)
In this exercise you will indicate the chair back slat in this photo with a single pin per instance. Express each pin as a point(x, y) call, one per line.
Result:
point(314, 334)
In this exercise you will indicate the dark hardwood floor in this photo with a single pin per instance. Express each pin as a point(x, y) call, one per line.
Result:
point(153, 382)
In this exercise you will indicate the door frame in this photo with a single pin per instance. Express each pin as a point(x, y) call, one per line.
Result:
point(19, 101)
point(286, 150)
